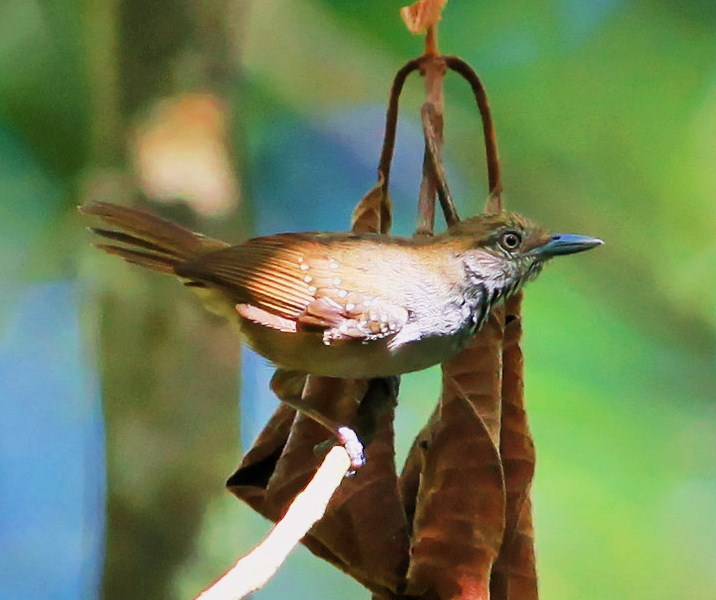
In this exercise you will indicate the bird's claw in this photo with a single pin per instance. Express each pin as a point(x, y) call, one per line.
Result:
point(349, 440)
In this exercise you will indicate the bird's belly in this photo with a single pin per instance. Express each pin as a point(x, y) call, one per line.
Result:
point(306, 352)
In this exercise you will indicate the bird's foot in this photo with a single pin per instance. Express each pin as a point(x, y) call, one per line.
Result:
point(349, 440)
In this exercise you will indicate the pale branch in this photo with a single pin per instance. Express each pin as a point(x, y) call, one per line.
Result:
point(252, 571)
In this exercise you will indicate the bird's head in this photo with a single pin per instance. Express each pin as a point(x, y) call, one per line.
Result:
point(502, 252)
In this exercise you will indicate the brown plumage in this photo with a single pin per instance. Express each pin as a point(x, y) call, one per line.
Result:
point(343, 304)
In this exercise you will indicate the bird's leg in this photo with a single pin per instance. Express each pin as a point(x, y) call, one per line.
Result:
point(331, 402)
point(379, 398)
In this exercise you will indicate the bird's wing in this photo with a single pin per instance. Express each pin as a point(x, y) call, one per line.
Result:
point(295, 282)
point(357, 317)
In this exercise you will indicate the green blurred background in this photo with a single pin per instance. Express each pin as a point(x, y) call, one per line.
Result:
point(267, 116)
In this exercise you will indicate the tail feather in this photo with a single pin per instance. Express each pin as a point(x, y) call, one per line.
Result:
point(152, 261)
point(145, 239)
point(131, 240)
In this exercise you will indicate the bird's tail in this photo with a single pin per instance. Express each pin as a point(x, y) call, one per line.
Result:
point(144, 239)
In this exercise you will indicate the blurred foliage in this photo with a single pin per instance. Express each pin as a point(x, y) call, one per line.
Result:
point(606, 115)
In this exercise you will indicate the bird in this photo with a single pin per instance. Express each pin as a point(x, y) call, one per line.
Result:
point(346, 305)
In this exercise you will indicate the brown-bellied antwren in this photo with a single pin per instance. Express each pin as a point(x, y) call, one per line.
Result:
point(345, 304)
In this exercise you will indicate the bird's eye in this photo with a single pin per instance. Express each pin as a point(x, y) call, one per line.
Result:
point(510, 240)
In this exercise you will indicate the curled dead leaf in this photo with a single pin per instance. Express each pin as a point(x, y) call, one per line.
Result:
point(364, 531)
point(514, 575)
point(421, 15)
point(374, 212)
point(460, 511)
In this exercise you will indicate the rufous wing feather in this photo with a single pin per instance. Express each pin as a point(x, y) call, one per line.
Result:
point(290, 282)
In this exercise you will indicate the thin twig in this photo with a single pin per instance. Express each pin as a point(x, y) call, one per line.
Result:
point(252, 571)
point(493, 161)
point(432, 67)
point(391, 119)
point(427, 114)
point(431, 41)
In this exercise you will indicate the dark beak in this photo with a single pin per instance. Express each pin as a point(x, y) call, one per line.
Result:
point(566, 243)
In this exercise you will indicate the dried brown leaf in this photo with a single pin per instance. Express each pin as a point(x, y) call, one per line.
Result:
point(365, 525)
point(250, 480)
point(459, 518)
point(516, 444)
point(282, 459)
point(514, 575)
point(477, 371)
point(335, 400)
point(364, 531)
point(520, 565)
point(409, 481)
point(374, 212)
point(421, 15)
